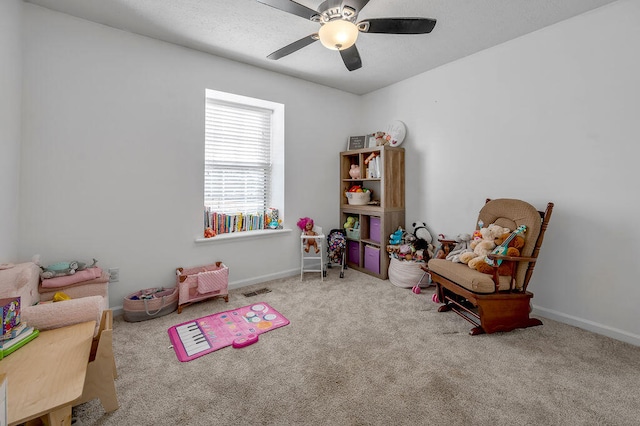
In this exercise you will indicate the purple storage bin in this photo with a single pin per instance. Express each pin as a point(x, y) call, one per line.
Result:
point(372, 259)
point(374, 229)
point(353, 252)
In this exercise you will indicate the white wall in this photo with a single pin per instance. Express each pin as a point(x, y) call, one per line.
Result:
point(10, 120)
point(551, 116)
point(113, 153)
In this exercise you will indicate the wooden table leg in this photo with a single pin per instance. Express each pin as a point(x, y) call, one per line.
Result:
point(59, 417)
point(101, 370)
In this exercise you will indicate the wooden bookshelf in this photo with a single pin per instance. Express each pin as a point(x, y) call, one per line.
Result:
point(378, 220)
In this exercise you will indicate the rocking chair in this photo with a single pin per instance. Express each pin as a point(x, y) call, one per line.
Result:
point(495, 302)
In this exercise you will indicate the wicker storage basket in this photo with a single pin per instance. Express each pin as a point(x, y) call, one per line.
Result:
point(358, 198)
point(150, 303)
point(404, 273)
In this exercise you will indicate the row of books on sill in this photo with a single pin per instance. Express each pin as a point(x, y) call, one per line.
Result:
point(223, 223)
point(15, 333)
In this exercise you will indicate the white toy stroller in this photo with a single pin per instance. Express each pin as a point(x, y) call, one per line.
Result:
point(337, 249)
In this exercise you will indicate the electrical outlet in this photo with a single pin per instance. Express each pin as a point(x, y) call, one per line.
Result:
point(114, 275)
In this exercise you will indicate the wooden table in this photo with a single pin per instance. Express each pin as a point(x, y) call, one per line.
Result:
point(47, 374)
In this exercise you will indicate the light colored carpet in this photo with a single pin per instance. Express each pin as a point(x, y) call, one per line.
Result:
point(360, 351)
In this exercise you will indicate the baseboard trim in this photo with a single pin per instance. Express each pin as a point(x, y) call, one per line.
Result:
point(264, 278)
point(595, 327)
point(119, 310)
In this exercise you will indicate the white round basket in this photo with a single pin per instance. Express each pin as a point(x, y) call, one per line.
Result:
point(358, 198)
point(404, 273)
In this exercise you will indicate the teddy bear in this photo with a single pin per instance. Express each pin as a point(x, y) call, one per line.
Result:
point(381, 138)
point(479, 248)
point(513, 250)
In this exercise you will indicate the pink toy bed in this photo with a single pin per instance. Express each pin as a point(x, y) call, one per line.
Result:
point(202, 282)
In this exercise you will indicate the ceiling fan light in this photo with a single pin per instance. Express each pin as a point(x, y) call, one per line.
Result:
point(338, 34)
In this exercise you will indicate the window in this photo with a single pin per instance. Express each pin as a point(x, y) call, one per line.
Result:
point(243, 164)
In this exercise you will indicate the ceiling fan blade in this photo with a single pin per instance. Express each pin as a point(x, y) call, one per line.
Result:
point(290, 7)
point(351, 58)
point(397, 25)
point(295, 46)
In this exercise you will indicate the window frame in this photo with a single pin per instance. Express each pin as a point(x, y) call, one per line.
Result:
point(277, 156)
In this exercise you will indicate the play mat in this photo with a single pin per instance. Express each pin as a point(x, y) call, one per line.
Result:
point(238, 327)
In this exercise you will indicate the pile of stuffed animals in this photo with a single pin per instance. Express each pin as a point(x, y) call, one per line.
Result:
point(414, 246)
point(473, 249)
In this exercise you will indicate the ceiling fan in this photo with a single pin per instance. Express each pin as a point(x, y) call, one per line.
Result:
point(339, 29)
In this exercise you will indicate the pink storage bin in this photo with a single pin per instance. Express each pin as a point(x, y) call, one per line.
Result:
point(202, 282)
point(374, 229)
point(353, 252)
point(372, 259)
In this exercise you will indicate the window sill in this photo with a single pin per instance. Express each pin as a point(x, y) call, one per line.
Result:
point(234, 236)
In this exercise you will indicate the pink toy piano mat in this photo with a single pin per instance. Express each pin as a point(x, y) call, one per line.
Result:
point(201, 336)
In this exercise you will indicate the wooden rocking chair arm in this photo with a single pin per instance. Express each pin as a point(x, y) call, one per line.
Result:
point(446, 241)
point(496, 278)
point(512, 258)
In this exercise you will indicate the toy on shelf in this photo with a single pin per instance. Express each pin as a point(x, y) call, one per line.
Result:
point(358, 195)
point(381, 138)
point(354, 172)
point(274, 221)
point(350, 223)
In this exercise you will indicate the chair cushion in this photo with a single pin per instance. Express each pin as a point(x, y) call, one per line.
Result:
point(466, 277)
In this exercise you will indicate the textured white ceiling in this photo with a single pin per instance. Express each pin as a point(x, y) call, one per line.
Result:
point(247, 31)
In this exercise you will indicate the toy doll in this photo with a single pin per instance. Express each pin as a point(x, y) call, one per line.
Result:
point(306, 226)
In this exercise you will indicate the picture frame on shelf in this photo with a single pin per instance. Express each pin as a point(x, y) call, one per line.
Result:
point(356, 142)
point(371, 141)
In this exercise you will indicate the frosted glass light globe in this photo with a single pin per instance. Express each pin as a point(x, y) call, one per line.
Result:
point(338, 34)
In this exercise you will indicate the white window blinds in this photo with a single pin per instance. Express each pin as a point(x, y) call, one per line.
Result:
point(237, 165)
